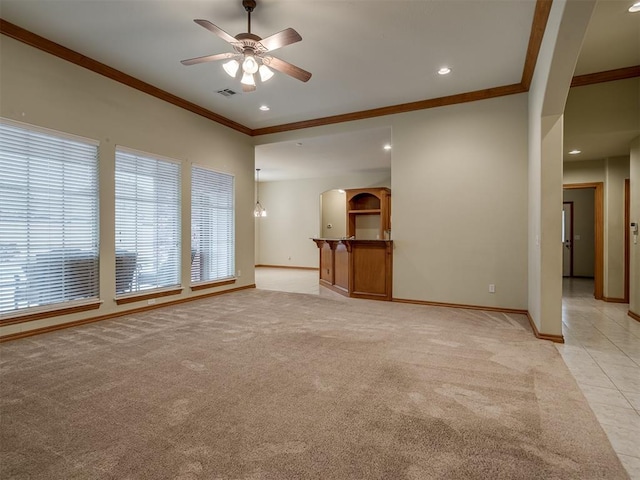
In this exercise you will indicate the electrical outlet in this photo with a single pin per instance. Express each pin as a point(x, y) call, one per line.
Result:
point(492, 288)
point(239, 273)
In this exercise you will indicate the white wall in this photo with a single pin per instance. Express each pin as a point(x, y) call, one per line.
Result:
point(293, 218)
point(458, 202)
point(46, 91)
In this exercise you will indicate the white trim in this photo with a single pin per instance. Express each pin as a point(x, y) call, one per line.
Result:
point(49, 131)
point(151, 156)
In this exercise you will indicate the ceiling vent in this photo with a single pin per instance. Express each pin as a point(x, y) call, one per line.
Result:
point(227, 92)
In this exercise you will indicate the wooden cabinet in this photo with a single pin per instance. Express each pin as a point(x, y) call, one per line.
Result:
point(357, 268)
point(369, 213)
point(361, 265)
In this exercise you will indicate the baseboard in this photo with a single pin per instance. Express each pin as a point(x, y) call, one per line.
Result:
point(634, 315)
point(614, 300)
point(541, 336)
point(544, 336)
point(53, 328)
point(287, 266)
point(459, 305)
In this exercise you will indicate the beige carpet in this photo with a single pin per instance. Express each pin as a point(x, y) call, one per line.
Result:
point(269, 385)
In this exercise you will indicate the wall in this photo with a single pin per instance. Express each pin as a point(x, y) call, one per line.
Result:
point(583, 230)
point(611, 172)
point(459, 202)
point(333, 210)
point(634, 273)
point(617, 170)
point(561, 43)
point(43, 90)
point(294, 216)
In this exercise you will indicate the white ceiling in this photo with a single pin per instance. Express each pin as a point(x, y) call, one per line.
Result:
point(363, 54)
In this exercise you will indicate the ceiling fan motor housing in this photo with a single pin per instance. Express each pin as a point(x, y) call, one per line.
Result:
point(249, 5)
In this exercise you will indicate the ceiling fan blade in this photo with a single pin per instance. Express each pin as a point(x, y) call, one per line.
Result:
point(280, 39)
point(206, 58)
point(248, 88)
point(217, 30)
point(289, 69)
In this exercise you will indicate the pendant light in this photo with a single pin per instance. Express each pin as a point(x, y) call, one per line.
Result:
point(259, 211)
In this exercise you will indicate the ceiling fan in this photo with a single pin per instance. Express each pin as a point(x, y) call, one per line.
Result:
point(252, 54)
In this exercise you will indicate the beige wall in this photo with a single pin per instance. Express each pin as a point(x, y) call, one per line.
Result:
point(611, 172)
point(583, 230)
point(459, 202)
point(617, 170)
point(43, 90)
point(561, 43)
point(634, 273)
point(333, 211)
point(294, 216)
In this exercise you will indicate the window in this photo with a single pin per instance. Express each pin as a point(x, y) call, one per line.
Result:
point(212, 227)
point(48, 218)
point(147, 222)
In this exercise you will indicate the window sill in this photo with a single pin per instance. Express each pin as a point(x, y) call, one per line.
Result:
point(212, 284)
point(49, 311)
point(140, 297)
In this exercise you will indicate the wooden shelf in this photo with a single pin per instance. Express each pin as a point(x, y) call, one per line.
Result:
point(370, 211)
point(368, 202)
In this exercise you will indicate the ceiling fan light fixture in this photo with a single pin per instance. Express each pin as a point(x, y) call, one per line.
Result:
point(265, 73)
point(247, 79)
point(250, 64)
point(231, 67)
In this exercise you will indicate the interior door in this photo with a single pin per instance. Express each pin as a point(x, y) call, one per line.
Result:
point(567, 239)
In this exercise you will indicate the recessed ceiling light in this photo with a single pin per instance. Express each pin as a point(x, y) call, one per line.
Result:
point(299, 144)
point(264, 108)
point(444, 71)
point(387, 147)
point(635, 7)
point(575, 152)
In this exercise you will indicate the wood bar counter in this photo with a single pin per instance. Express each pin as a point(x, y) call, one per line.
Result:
point(356, 268)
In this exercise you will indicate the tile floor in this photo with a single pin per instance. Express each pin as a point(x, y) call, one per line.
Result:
point(601, 349)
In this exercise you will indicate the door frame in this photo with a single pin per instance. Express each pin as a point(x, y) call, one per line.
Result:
point(598, 207)
point(570, 203)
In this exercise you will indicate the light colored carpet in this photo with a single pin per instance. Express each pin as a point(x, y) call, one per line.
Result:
point(260, 385)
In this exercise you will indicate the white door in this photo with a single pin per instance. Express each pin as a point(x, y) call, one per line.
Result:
point(567, 239)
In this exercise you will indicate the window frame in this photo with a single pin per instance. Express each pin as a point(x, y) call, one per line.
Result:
point(70, 265)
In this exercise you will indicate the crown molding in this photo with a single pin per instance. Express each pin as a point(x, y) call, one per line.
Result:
point(607, 76)
point(41, 43)
point(539, 23)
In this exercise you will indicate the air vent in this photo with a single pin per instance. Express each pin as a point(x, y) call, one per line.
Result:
point(227, 92)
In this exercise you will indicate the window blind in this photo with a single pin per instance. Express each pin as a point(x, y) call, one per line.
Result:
point(48, 218)
point(147, 222)
point(212, 225)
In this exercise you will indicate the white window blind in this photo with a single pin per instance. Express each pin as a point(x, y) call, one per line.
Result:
point(212, 225)
point(147, 222)
point(48, 218)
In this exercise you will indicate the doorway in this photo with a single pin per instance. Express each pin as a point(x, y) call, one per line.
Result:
point(567, 239)
point(586, 242)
